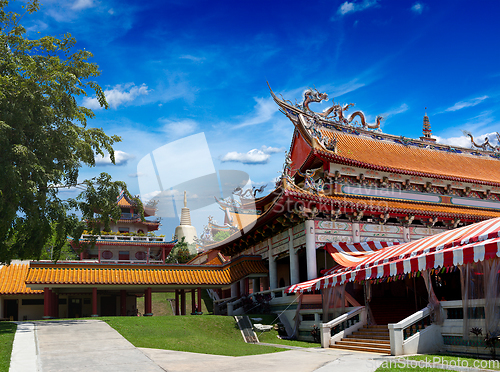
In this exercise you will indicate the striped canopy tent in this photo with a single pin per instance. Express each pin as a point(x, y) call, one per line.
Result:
point(351, 254)
point(472, 243)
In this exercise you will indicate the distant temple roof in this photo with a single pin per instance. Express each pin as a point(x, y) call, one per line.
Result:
point(43, 274)
point(12, 279)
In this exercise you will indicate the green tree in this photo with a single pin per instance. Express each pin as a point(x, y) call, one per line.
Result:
point(44, 139)
point(222, 235)
point(180, 253)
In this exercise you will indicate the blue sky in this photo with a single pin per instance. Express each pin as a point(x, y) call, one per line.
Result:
point(177, 68)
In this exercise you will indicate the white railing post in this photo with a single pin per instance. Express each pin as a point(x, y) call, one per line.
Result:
point(325, 335)
point(396, 338)
point(230, 309)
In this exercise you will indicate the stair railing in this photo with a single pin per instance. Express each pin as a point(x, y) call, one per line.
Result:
point(400, 332)
point(342, 325)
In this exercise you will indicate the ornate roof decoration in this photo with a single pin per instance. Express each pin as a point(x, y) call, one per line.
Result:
point(315, 125)
point(486, 145)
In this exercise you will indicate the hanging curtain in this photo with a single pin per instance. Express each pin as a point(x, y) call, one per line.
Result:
point(434, 305)
point(491, 295)
point(368, 298)
point(333, 298)
point(296, 319)
point(472, 278)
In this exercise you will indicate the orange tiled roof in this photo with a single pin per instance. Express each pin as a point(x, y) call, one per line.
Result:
point(12, 279)
point(94, 274)
point(379, 204)
point(397, 157)
point(215, 261)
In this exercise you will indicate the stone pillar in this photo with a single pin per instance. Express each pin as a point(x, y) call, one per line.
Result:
point(94, 302)
point(199, 299)
point(294, 259)
point(312, 271)
point(193, 301)
point(148, 308)
point(177, 305)
point(273, 272)
point(242, 287)
point(247, 286)
point(406, 234)
point(47, 297)
point(256, 285)
point(355, 232)
point(234, 289)
point(183, 302)
point(123, 302)
point(55, 305)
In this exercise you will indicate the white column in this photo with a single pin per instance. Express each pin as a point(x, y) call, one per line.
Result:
point(406, 233)
point(294, 259)
point(234, 289)
point(273, 275)
point(355, 232)
point(242, 286)
point(256, 285)
point(310, 250)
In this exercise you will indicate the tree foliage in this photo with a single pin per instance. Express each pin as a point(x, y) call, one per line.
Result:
point(44, 139)
point(180, 253)
point(222, 235)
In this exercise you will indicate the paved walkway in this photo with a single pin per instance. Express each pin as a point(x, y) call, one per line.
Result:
point(92, 345)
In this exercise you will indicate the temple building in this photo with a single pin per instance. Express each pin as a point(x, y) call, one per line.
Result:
point(348, 191)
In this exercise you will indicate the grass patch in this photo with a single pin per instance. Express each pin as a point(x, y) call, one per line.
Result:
point(7, 332)
point(161, 303)
point(271, 337)
point(453, 360)
point(206, 334)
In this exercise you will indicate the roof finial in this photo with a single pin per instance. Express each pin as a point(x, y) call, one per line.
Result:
point(185, 199)
point(427, 132)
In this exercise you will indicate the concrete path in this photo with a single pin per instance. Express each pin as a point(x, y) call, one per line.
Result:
point(303, 360)
point(82, 345)
point(92, 345)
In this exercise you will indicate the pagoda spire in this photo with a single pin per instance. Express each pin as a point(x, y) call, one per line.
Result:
point(426, 131)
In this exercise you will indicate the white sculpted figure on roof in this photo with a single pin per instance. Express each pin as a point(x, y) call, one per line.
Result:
point(486, 145)
point(313, 95)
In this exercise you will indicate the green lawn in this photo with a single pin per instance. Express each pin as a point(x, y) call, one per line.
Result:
point(453, 360)
point(207, 334)
point(7, 332)
point(271, 337)
point(161, 303)
point(432, 360)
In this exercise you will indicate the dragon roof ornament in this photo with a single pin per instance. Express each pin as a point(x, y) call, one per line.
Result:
point(486, 145)
point(335, 113)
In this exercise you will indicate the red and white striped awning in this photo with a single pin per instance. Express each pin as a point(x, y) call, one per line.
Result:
point(473, 243)
point(351, 254)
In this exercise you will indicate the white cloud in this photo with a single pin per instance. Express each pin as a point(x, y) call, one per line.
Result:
point(111, 11)
point(83, 4)
point(271, 150)
point(263, 111)
point(417, 8)
point(150, 195)
point(354, 6)
point(251, 157)
point(463, 104)
point(178, 129)
point(120, 94)
point(121, 158)
point(136, 175)
point(404, 107)
point(192, 58)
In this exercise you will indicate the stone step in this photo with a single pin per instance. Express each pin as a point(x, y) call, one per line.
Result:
point(362, 348)
point(366, 340)
point(360, 333)
point(364, 344)
point(370, 337)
